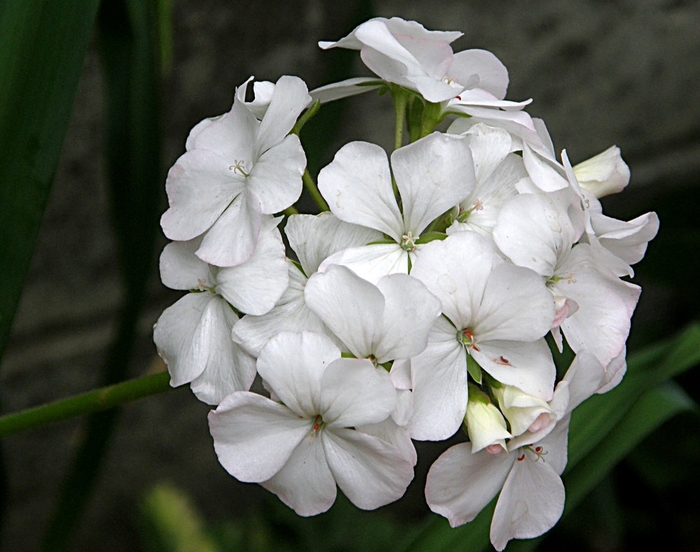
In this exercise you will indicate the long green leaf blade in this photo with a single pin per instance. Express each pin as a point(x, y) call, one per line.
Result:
point(42, 47)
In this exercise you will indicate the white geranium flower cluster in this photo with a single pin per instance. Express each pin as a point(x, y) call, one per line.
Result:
point(419, 304)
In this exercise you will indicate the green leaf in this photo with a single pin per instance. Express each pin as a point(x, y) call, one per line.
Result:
point(171, 523)
point(654, 407)
point(42, 48)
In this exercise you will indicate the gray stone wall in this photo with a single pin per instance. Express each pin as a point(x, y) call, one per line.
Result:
point(623, 72)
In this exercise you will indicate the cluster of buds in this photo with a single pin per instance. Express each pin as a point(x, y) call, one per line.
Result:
point(430, 294)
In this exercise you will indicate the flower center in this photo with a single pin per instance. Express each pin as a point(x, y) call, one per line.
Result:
point(408, 242)
point(466, 338)
point(318, 425)
point(239, 167)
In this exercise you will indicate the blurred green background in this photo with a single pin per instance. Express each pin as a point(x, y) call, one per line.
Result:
point(96, 100)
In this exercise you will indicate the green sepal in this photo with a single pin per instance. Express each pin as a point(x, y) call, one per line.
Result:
point(474, 369)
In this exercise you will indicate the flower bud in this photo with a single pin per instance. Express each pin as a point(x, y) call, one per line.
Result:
point(603, 174)
point(485, 423)
point(523, 412)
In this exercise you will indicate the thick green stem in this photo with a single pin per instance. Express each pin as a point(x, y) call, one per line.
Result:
point(310, 186)
point(86, 403)
point(431, 118)
point(289, 211)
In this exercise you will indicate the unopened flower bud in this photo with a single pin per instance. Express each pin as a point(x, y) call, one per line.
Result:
point(485, 423)
point(603, 174)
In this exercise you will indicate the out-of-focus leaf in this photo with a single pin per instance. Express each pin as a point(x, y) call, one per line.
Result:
point(42, 47)
point(171, 523)
point(127, 41)
point(654, 407)
point(598, 415)
point(438, 536)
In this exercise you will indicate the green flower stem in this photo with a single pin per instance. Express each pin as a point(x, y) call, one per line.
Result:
point(313, 190)
point(289, 211)
point(431, 118)
point(85, 403)
point(400, 97)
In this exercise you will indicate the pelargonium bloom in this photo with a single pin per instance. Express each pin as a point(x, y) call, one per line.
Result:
point(405, 53)
point(300, 448)
point(432, 175)
point(236, 171)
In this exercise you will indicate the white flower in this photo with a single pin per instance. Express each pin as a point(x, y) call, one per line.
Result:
point(236, 171)
point(384, 322)
point(495, 312)
point(301, 448)
point(313, 238)
point(194, 335)
point(405, 53)
point(463, 481)
point(432, 175)
point(536, 231)
point(497, 171)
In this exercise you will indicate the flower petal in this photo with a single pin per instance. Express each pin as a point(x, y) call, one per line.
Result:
point(368, 470)
point(292, 364)
point(316, 237)
point(350, 306)
point(305, 482)
point(531, 502)
point(254, 436)
point(256, 285)
point(433, 174)
point(357, 187)
point(233, 237)
point(200, 187)
point(354, 392)
point(460, 484)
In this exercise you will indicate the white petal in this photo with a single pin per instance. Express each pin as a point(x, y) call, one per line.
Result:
point(439, 376)
point(344, 89)
point(232, 369)
point(195, 333)
point(531, 502)
point(527, 366)
point(305, 482)
point(181, 269)
point(275, 179)
point(289, 314)
point(200, 187)
point(371, 262)
point(316, 237)
point(460, 484)
point(232, 238)
point(433, 174)
point(606, 303)
point(516, 306)
point(543, 174)
point(254, 436)
point(293, 364)
point(409, 313)
point(368, 470)
point(357, 187)
point(584, 376)
point(257, 284)
point(395, 435)
point(354, 392)
point(289, 99)
point(534, 232)
point(350, 306)
point(456, 270)
point(231, 136)
point(491, 73)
